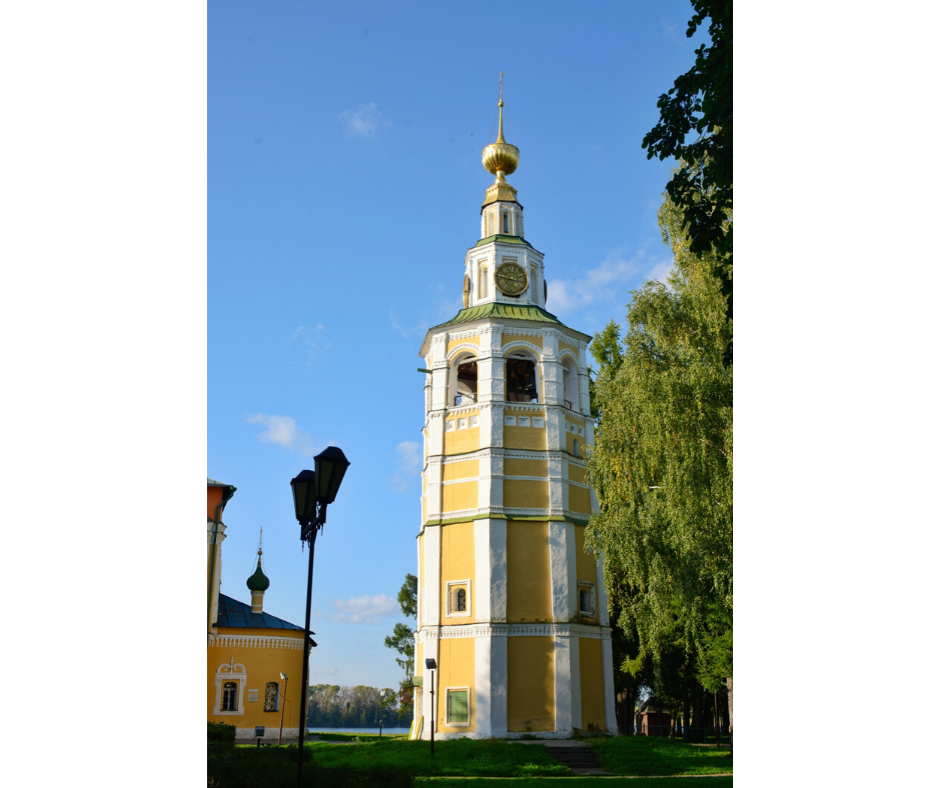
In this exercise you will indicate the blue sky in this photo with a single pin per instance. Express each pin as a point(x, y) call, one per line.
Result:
point(344, 187)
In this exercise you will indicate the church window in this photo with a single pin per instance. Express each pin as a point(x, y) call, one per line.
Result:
point(230, 696)
point(575, 448)
point(483, 289)
point(490, 228)
point(506, 223)
point(521, 379)
point(270, 696)
point(458, 598)
point(463, 381)
point(458, 706)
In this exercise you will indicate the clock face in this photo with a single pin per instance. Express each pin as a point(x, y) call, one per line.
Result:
point(511, 279)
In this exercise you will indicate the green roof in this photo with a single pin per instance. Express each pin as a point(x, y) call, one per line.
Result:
point(496, 309)
point(503, 239)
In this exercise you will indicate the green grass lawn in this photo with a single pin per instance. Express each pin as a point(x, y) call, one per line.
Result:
point(579, 782)
point(642, 755)
point(351, 737)
point(463, 757)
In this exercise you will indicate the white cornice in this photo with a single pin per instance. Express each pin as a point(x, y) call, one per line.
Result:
point(257, 641)
point(487, 630)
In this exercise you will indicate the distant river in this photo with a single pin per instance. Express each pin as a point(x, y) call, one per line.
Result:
point(375, 730)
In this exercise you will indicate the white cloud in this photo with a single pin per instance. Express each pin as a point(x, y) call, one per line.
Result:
point(283, 431)
point(364, 121)
point(363, 609)
point(307, 343)
point(612, 279)
point(410, 462)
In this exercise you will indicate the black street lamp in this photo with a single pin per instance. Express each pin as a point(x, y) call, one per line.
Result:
point(431, 664)
point(313, 492)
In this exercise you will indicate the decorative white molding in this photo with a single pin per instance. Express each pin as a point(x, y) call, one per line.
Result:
point(257, 641)
point(485, 630)
point(472, 346)
point(517, 343)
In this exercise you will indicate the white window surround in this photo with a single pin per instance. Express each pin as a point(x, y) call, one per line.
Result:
point(230, 672)
point(447, 720)
point(451, 587)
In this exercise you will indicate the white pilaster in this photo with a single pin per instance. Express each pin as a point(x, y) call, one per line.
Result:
point(482, 697)
point(499, 682)
point(558, 548)
point(610, 714)
point(567, 684)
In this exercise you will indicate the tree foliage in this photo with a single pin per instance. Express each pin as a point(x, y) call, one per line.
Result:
point(662, 468)
point(402, 639)
point(701, 101)
point(333, 706)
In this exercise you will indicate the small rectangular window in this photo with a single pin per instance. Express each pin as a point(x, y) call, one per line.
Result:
point(458, 706)
point(586, 599)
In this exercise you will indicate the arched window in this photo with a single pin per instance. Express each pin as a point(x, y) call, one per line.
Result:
point(506, 223)
point(533, 284)
point(230, 696)
point(490, 228)
point(482, 289)
point(521, 378)
point(462, 381)
point(575, 446)
point(270, 696)
point(569, 371)
point(461, 605)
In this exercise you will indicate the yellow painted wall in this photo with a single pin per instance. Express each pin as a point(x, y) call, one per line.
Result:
point(528, 582)
point(577, 474)
point(523, 437)
point(261, 666)
point(570, 438)
point(460, 496)
point(531, 697)
point(456, 670)
point(508, 338)
point(457, 563)
point(469, 340)
point(525, 468)
point(468, 469)
point(462, 441)
point(592, 685)
point(579, 499)
point(586, 567)
point(525, 494)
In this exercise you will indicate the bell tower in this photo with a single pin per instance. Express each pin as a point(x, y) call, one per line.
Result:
point(511, 607)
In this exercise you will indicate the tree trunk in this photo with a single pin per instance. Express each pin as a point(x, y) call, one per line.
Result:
point(730, 706)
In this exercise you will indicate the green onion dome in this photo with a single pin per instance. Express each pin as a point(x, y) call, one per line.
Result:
point(258, 581)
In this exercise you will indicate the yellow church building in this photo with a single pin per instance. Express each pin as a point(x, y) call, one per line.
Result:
point(511, 607)
point(249, 651)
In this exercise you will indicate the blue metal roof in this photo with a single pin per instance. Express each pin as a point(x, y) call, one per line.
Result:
point(237, 615)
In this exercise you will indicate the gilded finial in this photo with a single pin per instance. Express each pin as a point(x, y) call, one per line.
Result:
point(501, 158)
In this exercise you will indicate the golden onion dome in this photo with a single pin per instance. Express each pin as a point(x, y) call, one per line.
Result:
point(501, 158)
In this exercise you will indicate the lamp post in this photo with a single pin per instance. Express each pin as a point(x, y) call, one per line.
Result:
point(431, 665)
point(313, 492)
point(283, 704)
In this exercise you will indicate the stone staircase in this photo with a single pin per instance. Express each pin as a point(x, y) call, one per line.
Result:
point(577, 756)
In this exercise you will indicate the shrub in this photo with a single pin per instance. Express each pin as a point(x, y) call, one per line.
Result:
point(220, 732)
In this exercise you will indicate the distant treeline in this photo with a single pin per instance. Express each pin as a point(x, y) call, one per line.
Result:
point(332, 706)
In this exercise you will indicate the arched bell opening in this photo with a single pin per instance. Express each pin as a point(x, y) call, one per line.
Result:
point(462, 381)
point(570, 380)
point(521, 378)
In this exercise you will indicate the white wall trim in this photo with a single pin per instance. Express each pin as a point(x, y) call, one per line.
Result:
point(257, 641)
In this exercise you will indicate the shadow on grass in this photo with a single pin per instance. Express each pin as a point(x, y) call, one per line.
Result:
point(643, 755)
